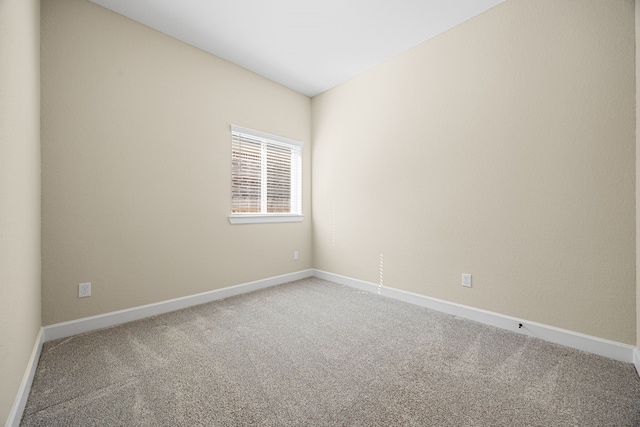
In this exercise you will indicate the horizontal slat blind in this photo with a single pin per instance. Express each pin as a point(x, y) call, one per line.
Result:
point(246, 176)
point(278, 179)
point(266, 175)
point(296, 179)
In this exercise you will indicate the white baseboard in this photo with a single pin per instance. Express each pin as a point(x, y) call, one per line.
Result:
point(611, 349)
point(15, 415)
point(87, 324)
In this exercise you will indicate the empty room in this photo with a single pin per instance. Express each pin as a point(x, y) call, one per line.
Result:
point(362, 213)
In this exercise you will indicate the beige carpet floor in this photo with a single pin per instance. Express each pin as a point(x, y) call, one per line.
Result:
point(314, 353)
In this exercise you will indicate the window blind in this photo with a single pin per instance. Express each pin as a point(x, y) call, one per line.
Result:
point(266, 173)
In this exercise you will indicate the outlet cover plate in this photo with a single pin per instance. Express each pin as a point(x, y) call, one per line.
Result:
point(466, 280)
point(84, 290)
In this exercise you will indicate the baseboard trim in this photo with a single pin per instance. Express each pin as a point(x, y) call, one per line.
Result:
point(88, 324)
point(611, 349)
point(636, 359)
point(15, 415)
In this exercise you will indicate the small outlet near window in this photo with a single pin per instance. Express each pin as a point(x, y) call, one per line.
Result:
point(84, 290)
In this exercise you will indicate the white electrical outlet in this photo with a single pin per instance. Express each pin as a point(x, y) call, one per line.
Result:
point(84, 290)
point(466, 280)
point(295, 255)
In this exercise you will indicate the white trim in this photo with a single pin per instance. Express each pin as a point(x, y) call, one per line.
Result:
point(87, 324)
point(611, 349)
point(15, 415)
point(265, 218)
point(266, 136)
point(636, 359)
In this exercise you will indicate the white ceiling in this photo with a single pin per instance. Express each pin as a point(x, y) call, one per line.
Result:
point(307, 45)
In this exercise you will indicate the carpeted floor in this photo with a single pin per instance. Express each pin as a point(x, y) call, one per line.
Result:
point(313, 353)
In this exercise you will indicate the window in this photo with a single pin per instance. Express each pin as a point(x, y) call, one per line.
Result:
point(266, 177)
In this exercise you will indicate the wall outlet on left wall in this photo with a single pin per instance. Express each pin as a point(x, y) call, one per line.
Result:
point(84, 290)
point(466, 280)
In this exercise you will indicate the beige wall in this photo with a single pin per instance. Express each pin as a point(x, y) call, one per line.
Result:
point(637, 8)
point(136, 166)
point(510, 158)
point(503, 148)
point(19, 192)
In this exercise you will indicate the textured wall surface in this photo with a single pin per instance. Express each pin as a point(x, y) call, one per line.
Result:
point(637, 5)
point(503, 148)
point(19, 192)
point(136, 166)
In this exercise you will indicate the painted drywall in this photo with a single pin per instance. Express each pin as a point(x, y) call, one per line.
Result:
point(136, 166)
point(637, 28)
point(503, 148)
point(19, 192)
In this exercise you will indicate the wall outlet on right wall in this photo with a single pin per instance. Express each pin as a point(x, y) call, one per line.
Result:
point(466, 280)
point(84, 290)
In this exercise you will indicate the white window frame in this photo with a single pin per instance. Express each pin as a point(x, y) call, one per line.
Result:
point(296, 178)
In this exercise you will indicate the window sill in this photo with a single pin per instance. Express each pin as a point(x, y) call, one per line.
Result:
point(262, 219)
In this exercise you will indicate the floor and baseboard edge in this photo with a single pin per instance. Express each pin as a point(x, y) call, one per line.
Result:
point(87, 324)
point(611, 349)
point(15, 415)
point(636, 359)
